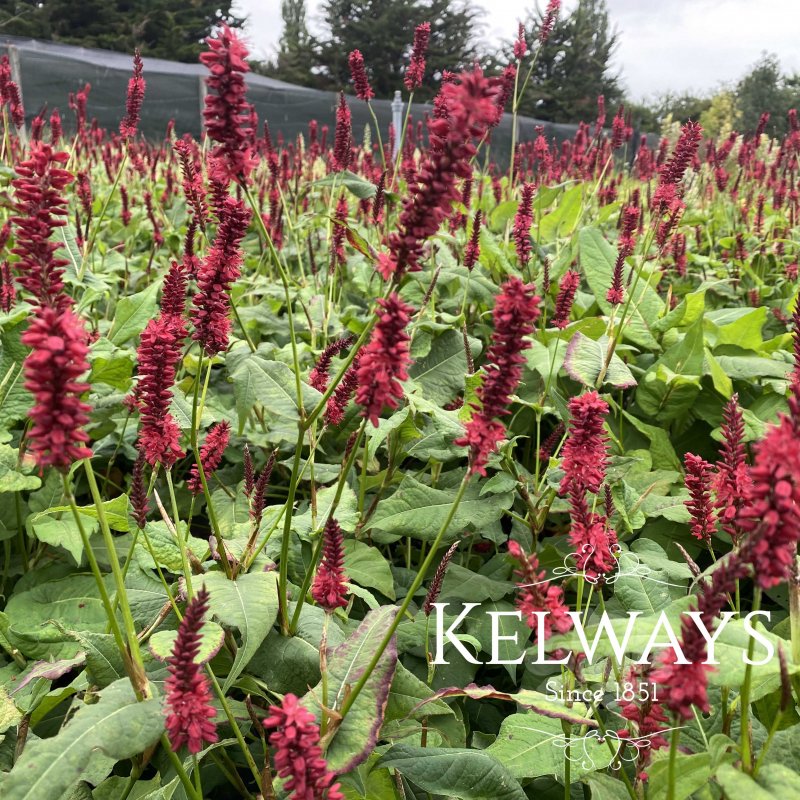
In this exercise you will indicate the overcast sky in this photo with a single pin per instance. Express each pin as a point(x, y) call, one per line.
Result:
point(664, 44)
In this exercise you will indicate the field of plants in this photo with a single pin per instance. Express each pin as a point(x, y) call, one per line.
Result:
point(392, 468)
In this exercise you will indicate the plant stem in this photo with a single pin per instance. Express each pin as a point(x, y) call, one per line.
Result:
point(744, 699)
point(426, 564)
point(673, 754)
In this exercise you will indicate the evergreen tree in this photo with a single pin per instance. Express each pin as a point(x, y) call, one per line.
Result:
point(172, 29)
point(574, 65)
point(383, 30)
point(766, 88)
point(295, 54)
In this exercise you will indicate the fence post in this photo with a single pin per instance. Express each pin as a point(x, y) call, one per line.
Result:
point(16, 76)
point(397, 120)
point(203, 93)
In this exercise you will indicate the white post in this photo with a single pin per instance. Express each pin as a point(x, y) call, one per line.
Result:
point(397, 120)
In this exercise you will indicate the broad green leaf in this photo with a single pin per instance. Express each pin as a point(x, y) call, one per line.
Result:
point(357, 735)
point(530, 745)
point(361, 188)
point(441, 373)
point(12, 478)
point(691, 774)
point(366, 566)
point(597, 258)
point(586, 358)
point(604, 787)
point(640, 589)
point(9, 713)
point(774, 780)
point(269, 383)
point(72, 601)
point(561, 221)
point(211, 637)
point(117, 725)
point(419, 511)
point(454, 772)
point(132, 314)
point(250, 603)
point(744, 331)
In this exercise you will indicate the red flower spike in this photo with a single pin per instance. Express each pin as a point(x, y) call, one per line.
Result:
point(227, 114)
point(159, 354)
point(358, 73)
point(584, 455)
point(52, 370)
point(470, 111)
point(515, 313)
point(41, 208)
point(215, 275)
point(698, 484)
point(298, 755)
point(188, 704)
point(343, 139)
point(534, 594)
point(133, 107)
point(566, 295)
point(318, 377)
point(415, 72)
point(138, 492)
point(522, 224)
point(385, 360)
point(329, 589)
point(210, 454)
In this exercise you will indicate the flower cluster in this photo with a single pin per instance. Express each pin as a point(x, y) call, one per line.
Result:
point(627, 244)
point(40, 208)
point(227, 114)
point(535, 595)
point(385, 360)
point(471, 110)
point(523, 220)
point(585, 455)
point(210, 455)
point(298, 756)
point(415, 72)
point(515, 313)
point(133, 106)
point(188, 705)
point(358, 73)
point(52, 371)
point(566, 296)
point(215, 275)
point(329, 589)
point(698, 484)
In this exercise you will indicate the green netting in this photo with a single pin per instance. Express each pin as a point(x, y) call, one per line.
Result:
point(48, 72)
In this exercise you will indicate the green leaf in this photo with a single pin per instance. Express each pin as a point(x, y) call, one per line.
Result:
point(691, 774)
point(669, 388)
point(132, 314)
point(269, 383)
point(361, 188)
point(10, 715)
point(211, 637)
point(366, 566)
point(604, 787)
point(561, 221)
point(11, 478)
point(419, 511)
point(597, 258)
point(250, 603)
point(117, 725)
point(452, 772)
point(585, 359)
point(357, 735)
point(530, 745)
point(774, 780)
point(441, 373)
point(640, 589)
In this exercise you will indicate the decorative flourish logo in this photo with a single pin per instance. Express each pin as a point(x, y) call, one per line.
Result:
point(629, 567)
point(582, 750)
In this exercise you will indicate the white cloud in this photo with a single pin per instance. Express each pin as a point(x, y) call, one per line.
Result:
point(664, 44)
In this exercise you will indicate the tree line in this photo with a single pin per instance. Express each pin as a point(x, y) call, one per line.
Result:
point(574, 66)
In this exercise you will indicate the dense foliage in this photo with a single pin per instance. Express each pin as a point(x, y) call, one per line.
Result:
point(276, 415)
